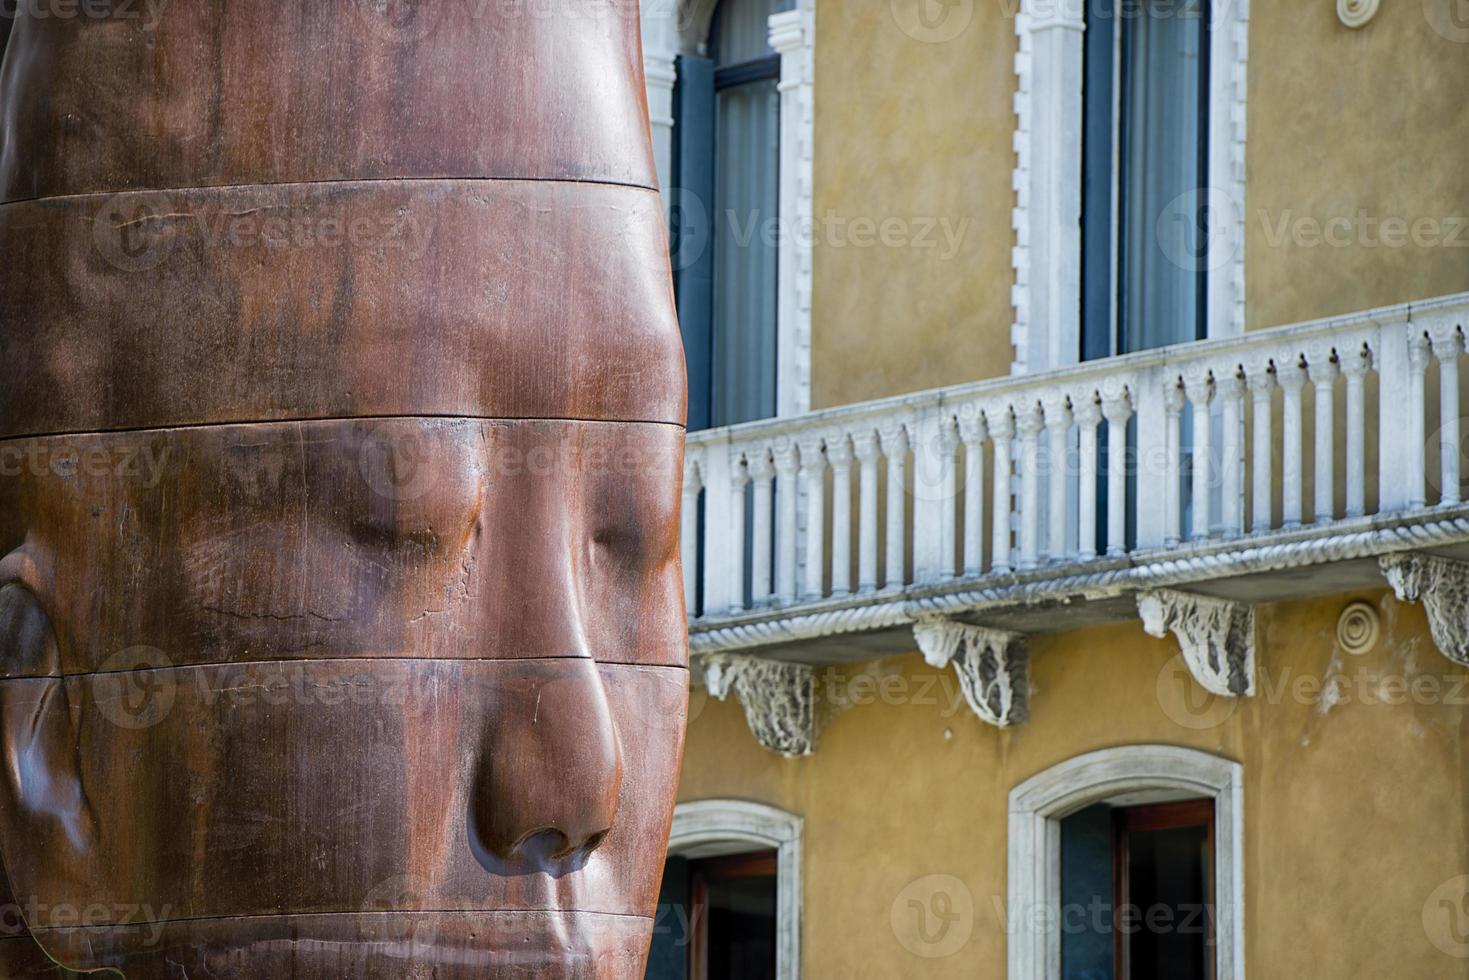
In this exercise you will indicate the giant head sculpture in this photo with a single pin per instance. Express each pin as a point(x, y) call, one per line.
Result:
point(341, 406)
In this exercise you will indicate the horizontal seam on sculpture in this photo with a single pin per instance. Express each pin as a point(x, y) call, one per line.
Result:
point(339, 418)
point(79, 195)
point(142, 924)
point(341, 660)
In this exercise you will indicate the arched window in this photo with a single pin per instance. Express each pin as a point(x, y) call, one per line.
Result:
point(1157, 820)
point(731, 899)
point(726, 166)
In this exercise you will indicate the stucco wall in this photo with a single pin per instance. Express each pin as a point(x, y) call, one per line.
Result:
point(1354, 814)
point(1355, 128)
point(1347, 130)
point(914, 131)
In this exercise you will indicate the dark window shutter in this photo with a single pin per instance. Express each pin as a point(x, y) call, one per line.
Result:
point(691, 210)
point(1097, 181)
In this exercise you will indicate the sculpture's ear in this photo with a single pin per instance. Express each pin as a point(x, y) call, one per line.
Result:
point(41, 796)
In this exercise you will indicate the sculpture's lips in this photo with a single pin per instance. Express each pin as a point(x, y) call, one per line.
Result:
point(477, 299)
point(535, 945)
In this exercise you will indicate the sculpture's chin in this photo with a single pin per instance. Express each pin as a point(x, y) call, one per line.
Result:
point(368, 946)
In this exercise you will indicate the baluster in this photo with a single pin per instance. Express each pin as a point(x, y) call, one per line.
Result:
point(1355, 367)
point(1291, 376)
point(786, 495)
point(1231, 390)
point(895, 447)
point(1418, 352)
point(1261, 380)
point(1447, 345)
point(1088, 413)
point(813, 477)
point(1323, 371)
point(1117, 409)
point(734, 567)
point(1198, 385)
point(1172, 504)
point(1058, 428)
point(1029, 422)
point(948, 502)
point(865, 444)
point(718, 546)
point(839, 455)
point(689, 533)
point(1002, 429)
point(973, 432)
point(762, 475)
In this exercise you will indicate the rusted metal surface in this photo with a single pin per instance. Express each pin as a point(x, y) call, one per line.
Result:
point(341, 407)
point(280, 91)
point(372, 538)
point(450, 298)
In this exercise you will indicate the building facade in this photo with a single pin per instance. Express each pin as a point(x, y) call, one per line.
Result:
point(1075, 521)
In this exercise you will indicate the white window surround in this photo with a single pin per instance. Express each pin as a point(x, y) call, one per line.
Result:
point(1141, 773)
point(1047, 178)
point(715, 828)
point(674, 26)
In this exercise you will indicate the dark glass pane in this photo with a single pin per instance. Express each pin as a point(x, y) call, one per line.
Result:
point(741, 916)
point(1167, 885)
point(668, 957)
point(1087, 943)
point(746, 242)
point(740, 32)
point(1164, 215)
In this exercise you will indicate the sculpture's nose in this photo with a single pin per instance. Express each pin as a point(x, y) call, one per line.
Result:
point(551, 770)
point(552, 773)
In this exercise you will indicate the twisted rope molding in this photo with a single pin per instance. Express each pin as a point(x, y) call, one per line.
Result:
point(906, 609)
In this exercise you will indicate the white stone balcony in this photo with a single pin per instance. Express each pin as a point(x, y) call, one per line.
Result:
point(1183, 483)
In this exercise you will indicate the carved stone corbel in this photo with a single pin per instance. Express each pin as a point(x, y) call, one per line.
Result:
point(1442, 585)
point(1217, 637)
point(993, 667)
point(779, 699)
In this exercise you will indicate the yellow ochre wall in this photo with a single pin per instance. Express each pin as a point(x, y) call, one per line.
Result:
point(1358, 126)
point(1354, 813)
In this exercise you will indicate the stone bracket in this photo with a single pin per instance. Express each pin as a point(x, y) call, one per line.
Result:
point(1217, 637)
point(1442, 585)
point(993, 666)
point(779, 699)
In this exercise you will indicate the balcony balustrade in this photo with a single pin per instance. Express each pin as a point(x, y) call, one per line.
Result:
point(1043, 502)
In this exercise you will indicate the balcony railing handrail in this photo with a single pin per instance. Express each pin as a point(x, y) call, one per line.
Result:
point(1167, 452)
point(1182, 353)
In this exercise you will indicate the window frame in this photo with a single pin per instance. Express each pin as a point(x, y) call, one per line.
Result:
point(682, 27)
point(1047, 257)
point(1038, 805)
point(716, 828)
